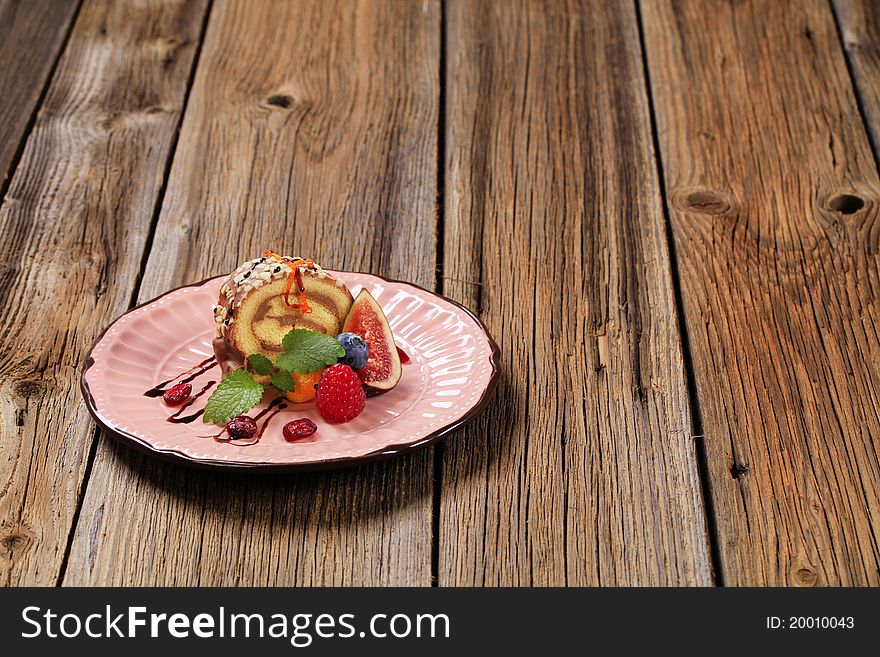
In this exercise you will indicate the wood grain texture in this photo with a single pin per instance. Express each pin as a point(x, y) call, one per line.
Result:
point(859, 22)
point(31, 36)
point(584, 470)
point(311, 130)
point(72, 230)
point(774, 202)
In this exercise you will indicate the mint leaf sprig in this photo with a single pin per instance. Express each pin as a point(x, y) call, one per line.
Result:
point(237, 393)
point(302, 351)
point(305, 351)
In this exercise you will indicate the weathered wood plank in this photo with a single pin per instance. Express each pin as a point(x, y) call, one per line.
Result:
point(860, 27)
point(72, 231)
point(774, 201)
point(584, 470)
point(31, 37)
point(311, 129)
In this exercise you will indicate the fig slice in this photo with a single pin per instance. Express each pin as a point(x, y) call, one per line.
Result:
point(382, 371)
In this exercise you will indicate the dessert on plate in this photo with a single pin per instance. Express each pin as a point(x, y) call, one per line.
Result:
point(312, 373)
point(287, 327)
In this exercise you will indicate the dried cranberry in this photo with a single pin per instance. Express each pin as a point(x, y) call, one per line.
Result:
point(178, 394)
point(241, 426)
point(298, 429)
point(404, 357)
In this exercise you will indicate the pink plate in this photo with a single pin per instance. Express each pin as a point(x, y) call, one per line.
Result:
point(452, 373)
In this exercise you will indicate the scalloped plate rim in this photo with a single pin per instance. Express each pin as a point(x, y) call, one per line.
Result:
point(386, 452)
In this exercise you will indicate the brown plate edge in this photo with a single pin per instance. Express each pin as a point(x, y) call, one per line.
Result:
point(328, 464)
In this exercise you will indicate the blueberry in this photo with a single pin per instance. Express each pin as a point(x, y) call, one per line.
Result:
point(356, 350)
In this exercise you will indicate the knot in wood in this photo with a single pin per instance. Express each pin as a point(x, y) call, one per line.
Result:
point(846, 203)
point(27, 388)
point(12, 542)
point(806, 577)
point(703, 201)
point(280, 100)
point(15, 540)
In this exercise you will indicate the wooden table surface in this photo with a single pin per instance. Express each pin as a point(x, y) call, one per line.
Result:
point(666, 212)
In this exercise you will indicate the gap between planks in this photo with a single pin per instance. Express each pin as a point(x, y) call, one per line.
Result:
point(690, 378)
point(440, 271)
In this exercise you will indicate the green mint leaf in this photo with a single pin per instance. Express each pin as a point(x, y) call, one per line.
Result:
point(308, 351)
point(283, 381)
point(262, 365)
point(285, 362)
point(237, 393)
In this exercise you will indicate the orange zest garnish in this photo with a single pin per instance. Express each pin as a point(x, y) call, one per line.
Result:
point(294, 265)
point(303, 304)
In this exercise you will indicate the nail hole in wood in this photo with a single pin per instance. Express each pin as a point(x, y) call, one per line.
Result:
point(280, 101)
point(846, 204)
point(739, 470)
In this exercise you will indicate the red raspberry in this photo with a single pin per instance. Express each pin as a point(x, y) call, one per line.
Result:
point(340, 395)
point(178, 394)
point(298, 429)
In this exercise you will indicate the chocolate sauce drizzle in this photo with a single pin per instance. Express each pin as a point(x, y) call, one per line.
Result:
point(195, 371)
point(275, 406)
point(176, 419)
point(186, 419)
